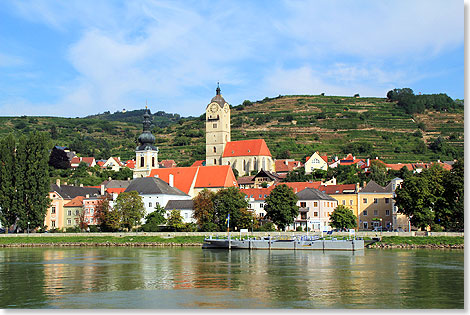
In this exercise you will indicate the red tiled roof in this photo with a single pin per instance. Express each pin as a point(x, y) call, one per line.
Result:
point(118, 161)
point(88, 160)
point(115, 190)
point(75, 160)
point(336, 189)
point(215, 176)
point(281, 166)
point(197, 163)
point(100, 163)
point(296, 187)
point(254, 147)
point(206, 176)
point(397, 167)
point(243, 180)
point(325, 158)
point(299, 186)
point(130, 163)
point(168, 163)
point(257, 193)
point(75, 202)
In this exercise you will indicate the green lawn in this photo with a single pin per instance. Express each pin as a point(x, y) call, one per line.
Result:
point(425, 240)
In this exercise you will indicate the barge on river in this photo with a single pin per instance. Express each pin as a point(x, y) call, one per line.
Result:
point(291, 243)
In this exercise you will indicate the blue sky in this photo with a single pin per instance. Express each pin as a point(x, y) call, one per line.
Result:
point(76, 58)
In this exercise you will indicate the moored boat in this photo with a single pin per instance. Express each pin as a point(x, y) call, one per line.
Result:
point(283, 242)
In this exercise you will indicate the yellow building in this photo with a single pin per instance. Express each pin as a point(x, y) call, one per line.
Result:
point(347, 195)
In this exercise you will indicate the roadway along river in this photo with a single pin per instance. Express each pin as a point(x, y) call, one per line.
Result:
point(123, 277)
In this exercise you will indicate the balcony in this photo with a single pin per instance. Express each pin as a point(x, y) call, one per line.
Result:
point(304, 209)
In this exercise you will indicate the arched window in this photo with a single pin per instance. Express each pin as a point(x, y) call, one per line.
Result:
point(141, 161)
point(215, 150)
point(215, 161)
point(228, 162)
point(153, 161)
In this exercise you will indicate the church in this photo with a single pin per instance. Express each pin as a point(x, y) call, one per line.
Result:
point(245, 155)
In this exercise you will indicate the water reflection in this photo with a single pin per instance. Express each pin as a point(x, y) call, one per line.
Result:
point(121, 277)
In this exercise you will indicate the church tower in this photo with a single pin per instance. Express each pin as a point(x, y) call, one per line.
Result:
point(146, 154)
point(217, 128)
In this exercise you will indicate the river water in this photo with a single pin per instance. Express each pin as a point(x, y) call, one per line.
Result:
point(126, 277)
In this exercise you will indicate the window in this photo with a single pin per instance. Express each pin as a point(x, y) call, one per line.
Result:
point(69, 222)
point(150, 205)
point(261, 206)
point(69, 212)
point(387, 200)
point(303, 204)
point(351, 202)
point(315, 204)
point(260, 196)
point(344, 202)
point(215, 161)
point(365, 226)
point(141, 161)
point(315, 214)
point(395, 209)
point(91, 211)
point(76, 212)
point(214, 125)
point(53, 211)
point(364, 212)
point(376, 200)
point(376, 212)
point(364, 200)
point(215, 150)
point(153, 161)
point(387, 212)
point(53, 224)
point(185, 215)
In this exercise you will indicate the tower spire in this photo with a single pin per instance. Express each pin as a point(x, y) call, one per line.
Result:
point(217, 91)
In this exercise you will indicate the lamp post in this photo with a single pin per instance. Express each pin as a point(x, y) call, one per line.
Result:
point(28, 227)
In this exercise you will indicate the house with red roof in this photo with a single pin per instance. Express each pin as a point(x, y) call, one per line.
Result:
point(285, 166)
point(114, 163)
point(199, 163)
point(76, 160)
point(316, 162)
point(130, 164)
point(167, 164)
point(247, 156)
point(192, 180)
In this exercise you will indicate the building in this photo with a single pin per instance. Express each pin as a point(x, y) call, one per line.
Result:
point(146, 154)
point(192, 180)
point(316, 162)
point(375, 206)
point(61, 195)
point(167, 164)
point(285, 166)
point(315, 208)
point(72, 211)
point(265, 178)
point(154, 191)
point(76, 160)
point(346, 194)
point(185, 207)
point(245, 156)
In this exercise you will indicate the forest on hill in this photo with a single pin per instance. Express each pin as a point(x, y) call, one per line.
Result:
point(400, 128)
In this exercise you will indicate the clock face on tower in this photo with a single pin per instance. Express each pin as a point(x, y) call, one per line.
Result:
point(213, 108)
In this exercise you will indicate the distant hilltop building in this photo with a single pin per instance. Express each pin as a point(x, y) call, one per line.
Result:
point(146, 154)
point(246, 155)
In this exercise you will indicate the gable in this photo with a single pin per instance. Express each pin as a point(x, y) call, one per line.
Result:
point(256, 147)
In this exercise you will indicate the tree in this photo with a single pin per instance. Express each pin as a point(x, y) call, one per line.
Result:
point(154, 219)
point(281, 206)
point(108, 219)
point(204, 211)
point(420, 196)
point(230, 200)
point(378, 173)
point(32, 180)
point(8, 212)
point(59, 159)
point(343, 218)
point(175, 221)
point(131, 208)
point(82, 221)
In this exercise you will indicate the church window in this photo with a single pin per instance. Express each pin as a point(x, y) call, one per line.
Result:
point(153, 161)
point(141, 161)
point(214, 125)
point(215, 150)
point(215, 161)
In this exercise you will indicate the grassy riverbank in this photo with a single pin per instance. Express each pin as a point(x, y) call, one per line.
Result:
point(101, 240)
point(420, 242)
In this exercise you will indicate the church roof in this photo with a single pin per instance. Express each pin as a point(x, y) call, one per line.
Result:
point(255, 147)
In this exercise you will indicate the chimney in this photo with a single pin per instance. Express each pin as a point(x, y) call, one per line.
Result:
point(285, 162)
point(57, 182)
point(357, 187)
point(87, 196)
point(364, 184)
point(171, 180)
point(102, 190)
point(368, 162)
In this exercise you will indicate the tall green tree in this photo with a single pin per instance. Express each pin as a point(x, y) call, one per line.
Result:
point(8, 213)
point(131, 209)
point(281, 206)
point(204, 211)
point(343, 218)
point(175, 221)
point(154, 219)
point(230, 200)
point(32, 180)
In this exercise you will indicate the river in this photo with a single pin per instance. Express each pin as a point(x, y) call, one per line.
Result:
point(132, 278)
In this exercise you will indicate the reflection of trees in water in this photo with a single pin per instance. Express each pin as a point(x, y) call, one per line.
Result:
point(21, 284)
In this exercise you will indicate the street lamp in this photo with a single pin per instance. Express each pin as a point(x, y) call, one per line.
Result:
point(28, 227)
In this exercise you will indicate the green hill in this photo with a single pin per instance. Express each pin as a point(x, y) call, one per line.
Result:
point(293, 126)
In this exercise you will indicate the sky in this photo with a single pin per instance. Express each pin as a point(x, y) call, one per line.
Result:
point(81, 57)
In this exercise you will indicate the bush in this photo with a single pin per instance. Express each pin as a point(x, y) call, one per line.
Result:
point(299, 229)
point(267, 227)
